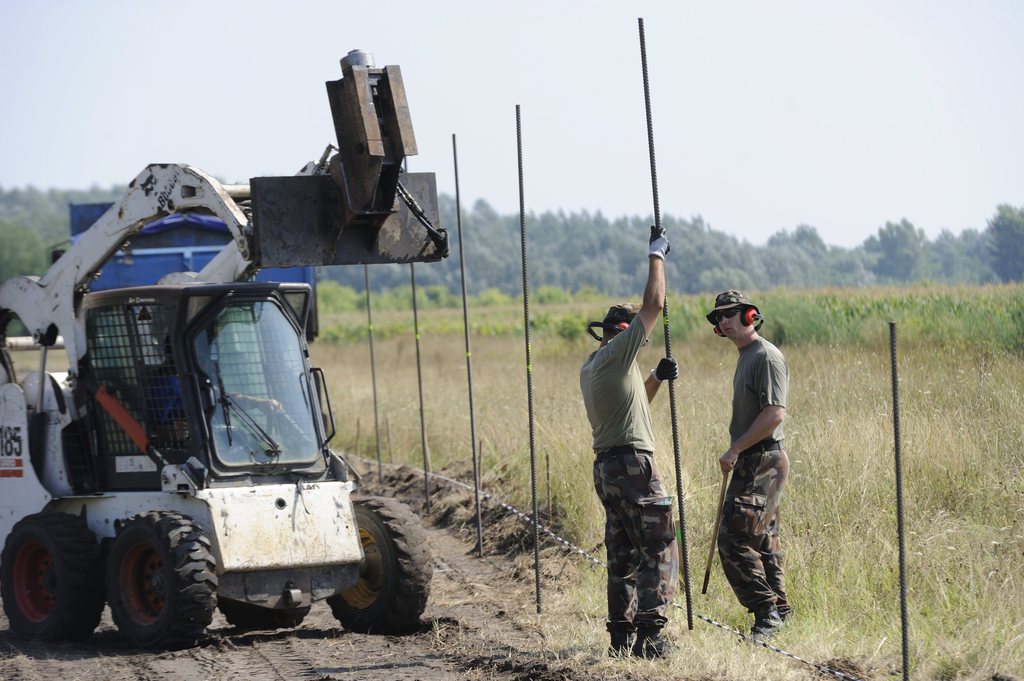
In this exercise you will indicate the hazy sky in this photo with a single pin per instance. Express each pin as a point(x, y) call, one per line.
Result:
point(767, 115)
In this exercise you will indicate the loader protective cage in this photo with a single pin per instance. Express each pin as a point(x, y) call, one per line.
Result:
point(131, 379)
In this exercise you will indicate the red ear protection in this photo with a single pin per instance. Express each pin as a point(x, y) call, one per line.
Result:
point(750, 315)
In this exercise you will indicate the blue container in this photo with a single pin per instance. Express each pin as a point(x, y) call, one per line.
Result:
point(181, 242)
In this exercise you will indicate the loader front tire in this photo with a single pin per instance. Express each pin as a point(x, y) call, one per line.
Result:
point(248, 616)
point(394, 579)
point(51, 578)
point(161, 580)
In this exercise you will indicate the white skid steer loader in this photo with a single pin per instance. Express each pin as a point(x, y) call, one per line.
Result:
point(182, 462)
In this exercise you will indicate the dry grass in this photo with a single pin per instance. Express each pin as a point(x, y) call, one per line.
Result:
point(963, 450)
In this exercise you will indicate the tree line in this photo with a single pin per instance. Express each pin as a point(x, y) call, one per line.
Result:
point(584, 251)
point(588, 251)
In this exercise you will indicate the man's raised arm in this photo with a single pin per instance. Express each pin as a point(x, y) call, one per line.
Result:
point(654, 291)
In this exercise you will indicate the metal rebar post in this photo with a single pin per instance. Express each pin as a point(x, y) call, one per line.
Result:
point(373, 371)
point(684, 548)
point(529, 362)
point(469, 354)
point(899, 502)
point(419, 385)
point(355, 446)
point(547, 483)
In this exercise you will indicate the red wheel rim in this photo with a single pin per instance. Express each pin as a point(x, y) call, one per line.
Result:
point(142, 584)
point(35, 584)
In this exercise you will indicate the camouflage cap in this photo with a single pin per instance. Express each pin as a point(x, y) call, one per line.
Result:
point(726, 300)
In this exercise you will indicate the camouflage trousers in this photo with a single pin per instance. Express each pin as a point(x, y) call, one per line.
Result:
point(748, 540)
point(640, 536)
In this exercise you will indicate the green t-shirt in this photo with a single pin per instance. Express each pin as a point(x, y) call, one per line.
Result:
point(614, 393)
point(761, 379)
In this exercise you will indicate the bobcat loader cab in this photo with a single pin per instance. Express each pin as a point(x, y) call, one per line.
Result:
point(229, 358)
point(182, 462)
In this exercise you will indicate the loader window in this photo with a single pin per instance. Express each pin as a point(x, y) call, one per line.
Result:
point(250, 358)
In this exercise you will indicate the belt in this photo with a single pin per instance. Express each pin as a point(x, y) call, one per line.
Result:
point(762, 446)
point(619, 451)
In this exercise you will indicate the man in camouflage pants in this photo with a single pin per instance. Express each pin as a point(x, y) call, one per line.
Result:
point(748, 541)
point(639, 530)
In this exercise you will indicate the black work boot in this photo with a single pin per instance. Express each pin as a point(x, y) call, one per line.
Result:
point(651, 644)
point(622, 642)
point(767, 622)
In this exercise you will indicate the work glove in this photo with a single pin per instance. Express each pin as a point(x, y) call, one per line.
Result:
point(659, 242)
point(668, 369)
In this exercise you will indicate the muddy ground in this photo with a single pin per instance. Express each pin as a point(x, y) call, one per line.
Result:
point(479, 624)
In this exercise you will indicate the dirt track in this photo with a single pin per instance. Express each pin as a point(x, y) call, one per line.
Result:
point(478, 625)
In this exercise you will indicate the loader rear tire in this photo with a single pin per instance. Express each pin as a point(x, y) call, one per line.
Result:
point(394, 579)
point(248, 616)
point(51, 578)
point(161, 580)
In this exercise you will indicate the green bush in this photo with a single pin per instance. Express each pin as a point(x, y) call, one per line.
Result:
point(492, 297)
point(332, 298)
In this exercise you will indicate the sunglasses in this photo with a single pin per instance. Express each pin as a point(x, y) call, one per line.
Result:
point(727, 314)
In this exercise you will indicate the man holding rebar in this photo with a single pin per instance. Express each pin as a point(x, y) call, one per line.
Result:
point(748, 538)
point(640, 532)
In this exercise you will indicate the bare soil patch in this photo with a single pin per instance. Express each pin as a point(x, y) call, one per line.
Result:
point(480, 622)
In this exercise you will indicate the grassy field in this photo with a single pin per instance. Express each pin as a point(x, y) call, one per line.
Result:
point(961, 376)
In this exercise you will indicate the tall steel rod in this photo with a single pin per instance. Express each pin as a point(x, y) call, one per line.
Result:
point(684, 548)
point(373, 370)
point(419, 385)
point(529, 362)
point(899, 502)
point(469, 354)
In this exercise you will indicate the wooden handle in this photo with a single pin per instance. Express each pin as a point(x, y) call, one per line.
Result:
point(714, 532)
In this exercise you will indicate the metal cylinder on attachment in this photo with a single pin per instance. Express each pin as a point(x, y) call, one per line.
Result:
point(357, 58)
